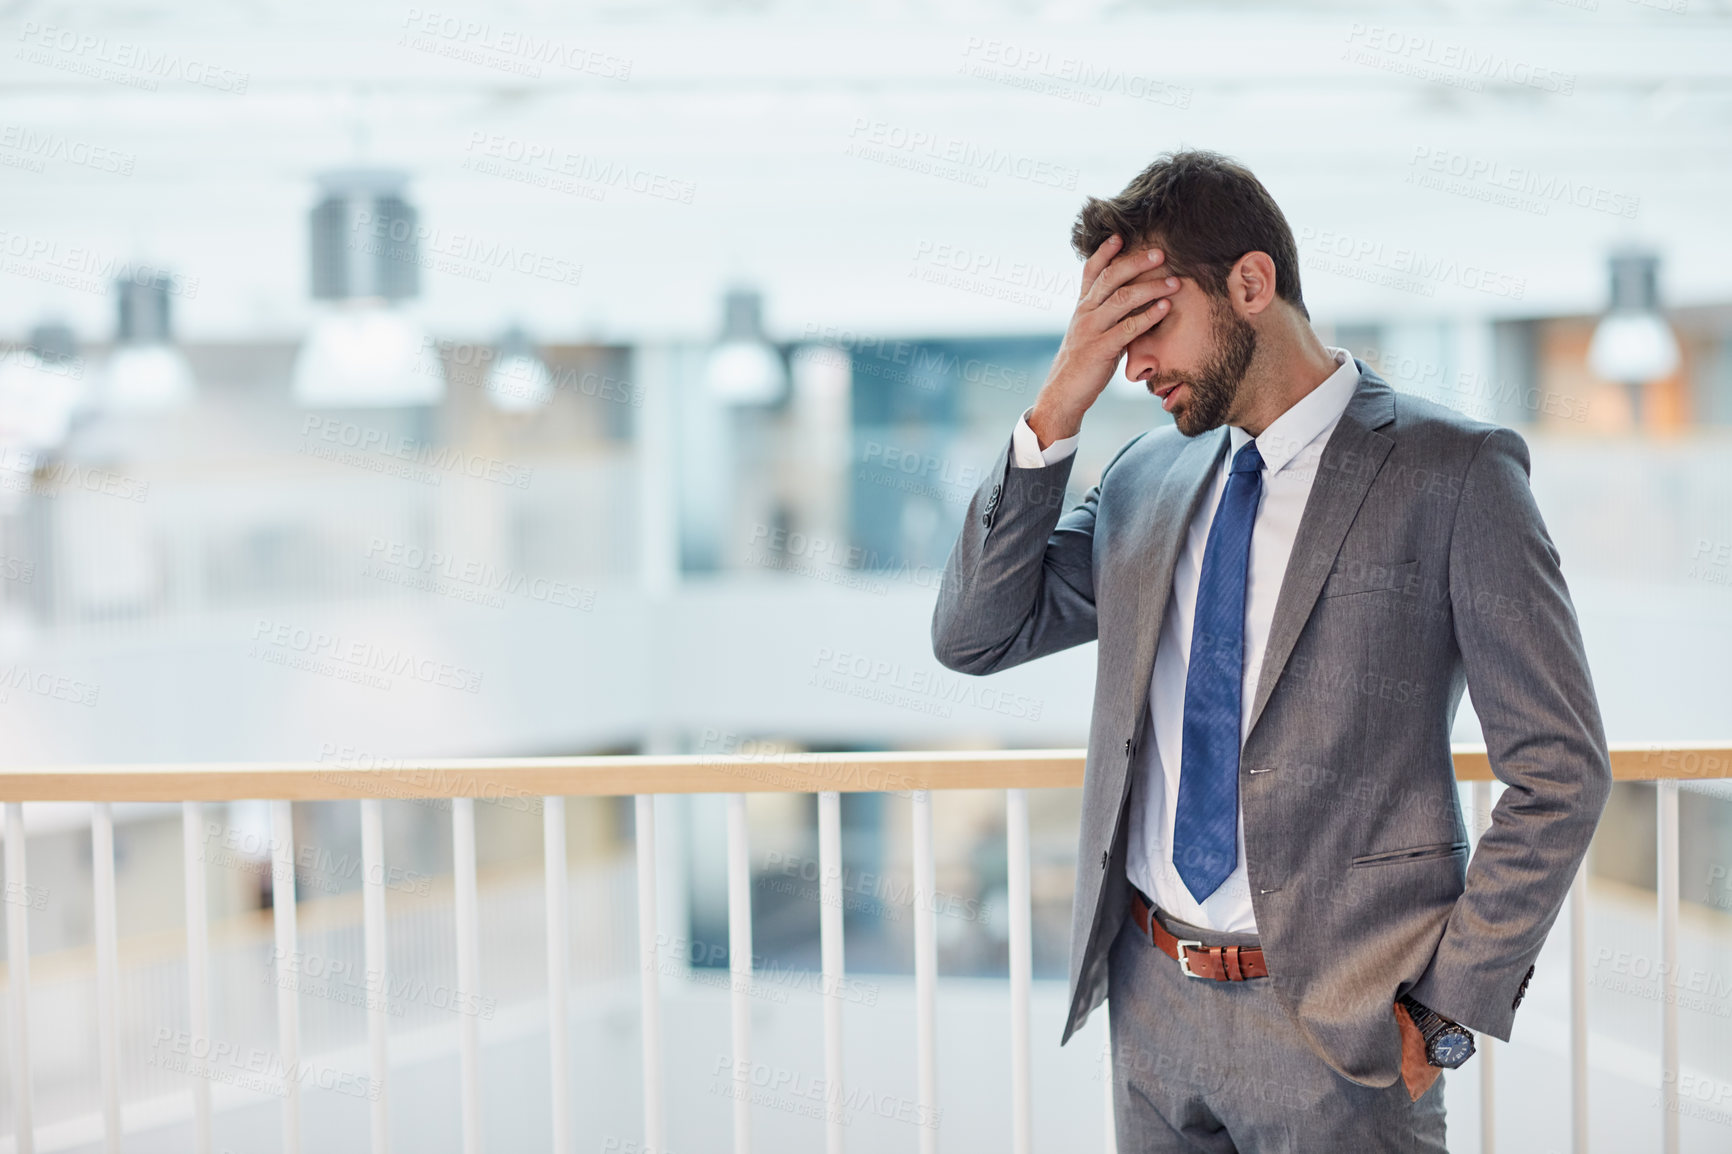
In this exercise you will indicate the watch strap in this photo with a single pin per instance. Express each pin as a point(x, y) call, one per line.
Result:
point(1428, 1020)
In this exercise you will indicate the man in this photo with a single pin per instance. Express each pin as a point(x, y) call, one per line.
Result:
point(1290, 588)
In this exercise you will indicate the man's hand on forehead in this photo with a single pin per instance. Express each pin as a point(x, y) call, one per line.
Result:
point(1158, 274)
point(1123, 295)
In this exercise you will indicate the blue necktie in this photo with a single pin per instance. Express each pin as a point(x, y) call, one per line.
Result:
point(1205, 829)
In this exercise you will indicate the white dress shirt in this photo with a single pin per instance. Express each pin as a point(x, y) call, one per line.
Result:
point(1291, 448)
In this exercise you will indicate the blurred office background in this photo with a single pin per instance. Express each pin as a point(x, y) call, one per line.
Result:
point(389, 382)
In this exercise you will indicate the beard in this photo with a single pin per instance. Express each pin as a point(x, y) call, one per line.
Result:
point(1215, 386)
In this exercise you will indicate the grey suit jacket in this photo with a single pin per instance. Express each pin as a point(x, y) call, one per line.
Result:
point(1421, 565)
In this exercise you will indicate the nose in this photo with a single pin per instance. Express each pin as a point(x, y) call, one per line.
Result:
point(1140, 362)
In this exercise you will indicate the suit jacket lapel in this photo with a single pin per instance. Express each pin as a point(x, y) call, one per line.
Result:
point(1351, 460)
point(1160, 535)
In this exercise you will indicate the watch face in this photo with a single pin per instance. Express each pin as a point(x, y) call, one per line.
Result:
point(1451, 1049)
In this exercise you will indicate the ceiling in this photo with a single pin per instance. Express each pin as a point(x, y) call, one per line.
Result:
point(909, 169)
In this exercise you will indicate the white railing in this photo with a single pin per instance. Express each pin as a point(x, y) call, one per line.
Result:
point(827, 775)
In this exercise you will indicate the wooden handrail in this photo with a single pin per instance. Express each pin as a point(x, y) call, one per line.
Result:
point(512, 780)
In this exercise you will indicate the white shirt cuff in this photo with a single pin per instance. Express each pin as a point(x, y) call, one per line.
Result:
point(1026, 452)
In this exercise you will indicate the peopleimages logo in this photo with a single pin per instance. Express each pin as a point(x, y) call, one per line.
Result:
point(417, 783)
point(311, 648)
point(382, 444)
point(26, 471)
point(122, 61)
point(1526, 188)
point(81, 267)
point(992, 267)
point(479, 42)
point(16, 678)
point(955, 157)
point(883, 895)
point(921, 690)
point(1068, 77)
point(40, 146)
point(315, 867)
point(480, 254)
point(796, 1091)
point(913, 471)
point(922, 365)
point(1368, 258)
point(1460, 65)
point(442, 572)
point(554, 159)
point(250, 1067)
point(473, 364)
point(344, 980)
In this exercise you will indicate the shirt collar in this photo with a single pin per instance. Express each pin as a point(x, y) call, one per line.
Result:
point(1302, 424)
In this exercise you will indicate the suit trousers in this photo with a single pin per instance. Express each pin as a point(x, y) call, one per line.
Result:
point(1209, 1067)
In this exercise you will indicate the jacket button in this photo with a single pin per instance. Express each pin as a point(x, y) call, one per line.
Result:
point(1127, 745)
point(1522, 989)
point(996, 490)
point(1103, 859)
point(986, 519)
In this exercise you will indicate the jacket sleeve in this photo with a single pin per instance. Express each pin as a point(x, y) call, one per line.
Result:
point(1527, 675)
point(1019, 583)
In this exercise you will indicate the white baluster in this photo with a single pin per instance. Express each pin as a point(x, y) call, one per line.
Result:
point(107, 969)
point(288, 968)
point(740, 966)
point(197, 965)
point(1021, 970)
point(830, 908)
point(926, 973)
point(558, 968)
point(468, 967)
point(378, 984)
point(648, 962)
point(1667, 804)
point(18, 977)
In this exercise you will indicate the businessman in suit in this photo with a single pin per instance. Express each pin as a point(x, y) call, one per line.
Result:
point(1290, 585)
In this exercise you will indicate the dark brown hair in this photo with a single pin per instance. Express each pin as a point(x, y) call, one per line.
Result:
point(1205, 212)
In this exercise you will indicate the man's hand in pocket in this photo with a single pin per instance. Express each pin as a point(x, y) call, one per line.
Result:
point(1418, 1073)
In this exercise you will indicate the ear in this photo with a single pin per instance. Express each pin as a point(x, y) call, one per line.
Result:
point(1251, 283)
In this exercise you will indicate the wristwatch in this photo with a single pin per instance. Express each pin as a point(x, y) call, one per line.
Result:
point(1447, 1044)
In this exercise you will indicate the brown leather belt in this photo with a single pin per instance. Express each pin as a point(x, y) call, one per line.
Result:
point(1221, 963)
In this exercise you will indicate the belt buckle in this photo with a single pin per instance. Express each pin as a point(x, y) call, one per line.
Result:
point(1185, 960)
